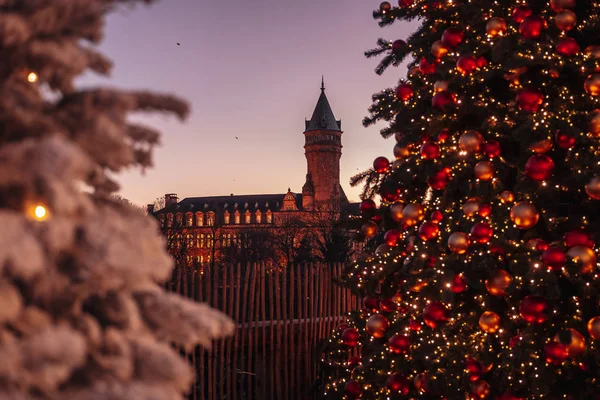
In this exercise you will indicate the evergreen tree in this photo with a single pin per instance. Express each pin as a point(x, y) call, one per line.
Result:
point(485, 282)
point(82, 314)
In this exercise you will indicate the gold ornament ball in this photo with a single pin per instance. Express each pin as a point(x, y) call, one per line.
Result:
point(471, 141)
point(480, 389)
point(440, 86)
point(559, 5)
point(524, 215)
point(471, 207)
point(593, 188)
point(584, 257)
point(382, 249)
point(507, 197)
point(438, 50)
point(458, 242)
point(489, 322)
point(593, 51)
point(592, 85)
point(396, 211)
point(377, 324)
point(565, 20)
point(577, 344)
point(541, 146)
point(498, 283)
point(413, 214)
point(594, 124)
point(484, 170)
point(495, 27)
point(369, 229)
point(401, 152)
point(593, 328)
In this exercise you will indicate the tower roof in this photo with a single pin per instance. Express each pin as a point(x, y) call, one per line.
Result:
point(323, 118)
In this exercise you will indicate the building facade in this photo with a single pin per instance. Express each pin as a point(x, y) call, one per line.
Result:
point(205, 227)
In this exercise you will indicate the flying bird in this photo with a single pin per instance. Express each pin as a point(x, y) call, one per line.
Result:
point(178, 44)
point(236, 137)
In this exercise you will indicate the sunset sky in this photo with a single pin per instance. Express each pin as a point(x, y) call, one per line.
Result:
point(251, 69)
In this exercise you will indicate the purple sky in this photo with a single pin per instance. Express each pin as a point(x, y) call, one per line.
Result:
point(251, 69)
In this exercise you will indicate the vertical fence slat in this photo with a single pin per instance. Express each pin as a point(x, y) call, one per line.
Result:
point(236, 318)
point(229, 366)
point(209, 356)
point(293, 315)
point(244, 322)
point(194, 358)
point(223, 381)
point(199, 350)
point(257, 374)
point(263, 330)
point(274, 383)
point(279, 332)
point(285, 325)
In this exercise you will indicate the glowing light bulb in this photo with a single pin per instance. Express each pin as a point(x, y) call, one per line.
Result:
point(40, 212)
point(32, 77)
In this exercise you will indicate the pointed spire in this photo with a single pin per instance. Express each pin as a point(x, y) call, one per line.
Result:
point(322, 83)
point(323, 118)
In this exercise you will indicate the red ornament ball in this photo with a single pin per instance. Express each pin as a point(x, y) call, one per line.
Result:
point(437, 216)
point(442, 100)
point(430, 150)
point(554, 258)
point(520, 13)
point(555, 353)
point(385, 7)
point(492, 149)
point(567, 47)
point(459, 284)
point(377, 325)
point(481, 62)
point(352, 389)
point(428, 231)
point(466, 64)
point(350, 337)
point(539, 167)
point(560, 5)
point(485, 210)
point(443, 134)
point(381, 165)
point(452, 37)
point(481, 232)
point(530, 100)
point(578, 237)
point(565, 20)
point(367, 206)
point(399, 47)
point(399, 344)
point(427, 67)
point(404, 91)
point(398, 383)
point(391, 237)
point(532, 26)
point(440, 180)
point(533, 309)
point(405, 3)
point(435, 314)
point(564, 140)
point(474, 369)
point(388, 305)
point(341, 328)
point(371, 302)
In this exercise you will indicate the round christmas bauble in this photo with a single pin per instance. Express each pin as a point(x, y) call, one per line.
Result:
point(452, 37)
point(399, 135)
point(481, 62)
point(533, 309)
point(381, 165)
point(438, 50)
point(578, 237)
point(593, 327)
point(592, 85)
point(398, 383)
point(399, 344)
point(396, 211)
point(444, 134)
point(554, 258)
point(435, 314)
point(388, 305)
point(341, 328)
point(474, 369)
point(437, 216)
point(367, 206)
point(524, 215)
point(480, 389)
point(560, 5)
point(428, 231)
point(537, 244)
point(440, 86)
point(350, 337)
point(489, 322)
point(352, 389)
point(371, 302)
point(539, 167)
point(481, 232)
point(440, 180)
point(430, 150)
point(485, 210)
point(495, 27)
point(567, 47)
point(442, 100)
point(399, 47)
point(492, 149)
point(593, 188)
point(593, 51)
point(458, 242)
point(382, 249)
point(466, 64)
point(471, 207)
point(385, 7)
point(564, 140)
point(541, 146)
point(497, 284)
point(427, 67)
point(530, 100)
point(459, 284)
point(377, 324)
point(594, 123)
point(484, 170)
point(532, 26)
point(404, 91)
point(572, 340)
point(471, 141)
point(401, 151)
point(507, 197)
point(405, 3)
point(368, 229)
point(584, 257)
point(555, 353)
point(413, 214)
point(421, 382)
point(520, 13)
point(391, 237)
point(565, 20)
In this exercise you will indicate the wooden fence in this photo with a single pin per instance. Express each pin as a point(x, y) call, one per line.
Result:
point(283, 317)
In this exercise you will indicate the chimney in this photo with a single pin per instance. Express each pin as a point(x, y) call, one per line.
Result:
point(170, 198)
point(150, 208)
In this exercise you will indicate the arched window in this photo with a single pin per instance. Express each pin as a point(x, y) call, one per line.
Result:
point(269, 217)
point(258, 217)
point(210, 218)
point(201, 240)
point(237, 216)
point(179, 219)
point(199, 219)
point(248, 217)
point(189, 219)
point(226, 217)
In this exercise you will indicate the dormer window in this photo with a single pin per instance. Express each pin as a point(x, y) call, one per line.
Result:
point(226, 217)
point(247, 217)
point(258, 217)
point(189, 219)
point(237, 217)
point(199, 219)
point(179, 219)
point(210, 218)
point(269, 217)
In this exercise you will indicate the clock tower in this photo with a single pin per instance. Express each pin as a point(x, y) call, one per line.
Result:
point(323, 150)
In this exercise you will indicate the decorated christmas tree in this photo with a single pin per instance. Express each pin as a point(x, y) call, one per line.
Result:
point(82, 312)
point(484, 283)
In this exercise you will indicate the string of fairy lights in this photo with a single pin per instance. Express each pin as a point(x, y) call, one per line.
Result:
point(458, 296)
